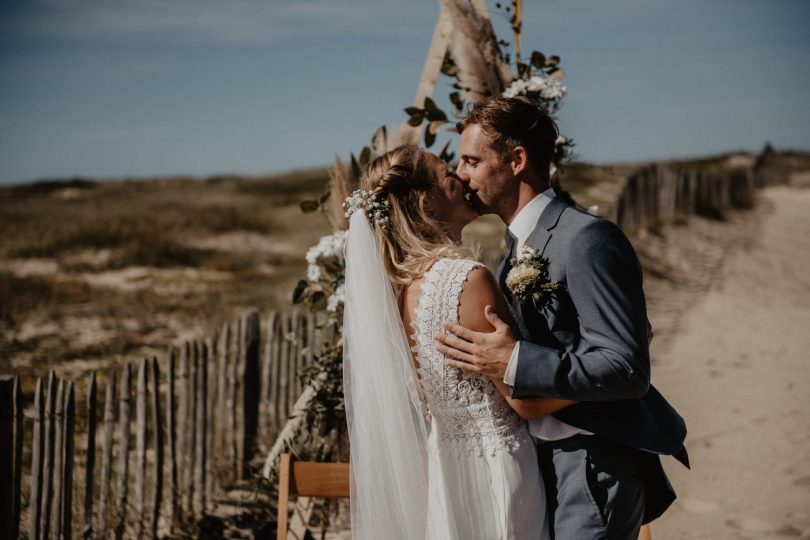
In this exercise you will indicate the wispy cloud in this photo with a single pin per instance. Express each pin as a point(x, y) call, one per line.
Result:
point(228, 22)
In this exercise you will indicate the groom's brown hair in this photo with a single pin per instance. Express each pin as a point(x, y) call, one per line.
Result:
point(512, 122)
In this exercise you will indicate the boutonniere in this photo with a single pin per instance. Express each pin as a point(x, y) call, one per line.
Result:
point(528, 279)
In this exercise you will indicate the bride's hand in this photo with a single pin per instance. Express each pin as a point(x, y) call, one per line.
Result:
point(487, 353)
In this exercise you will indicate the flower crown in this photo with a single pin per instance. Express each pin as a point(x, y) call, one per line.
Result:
point(372, 204)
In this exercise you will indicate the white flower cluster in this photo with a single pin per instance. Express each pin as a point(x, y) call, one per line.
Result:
point(527, 254)
point(337, 299)
point(549, 88)
point(330, 245)
point(521, 278)
point(528, 279)
point(375, 209)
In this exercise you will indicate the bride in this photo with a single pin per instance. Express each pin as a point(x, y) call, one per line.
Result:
point(435, 452)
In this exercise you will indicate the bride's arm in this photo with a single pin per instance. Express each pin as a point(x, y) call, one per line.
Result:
point(479, 291)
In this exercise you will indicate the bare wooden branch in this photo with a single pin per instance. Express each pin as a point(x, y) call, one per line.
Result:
point(106, 456)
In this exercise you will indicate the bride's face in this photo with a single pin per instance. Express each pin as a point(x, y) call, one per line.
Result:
point(446, 201)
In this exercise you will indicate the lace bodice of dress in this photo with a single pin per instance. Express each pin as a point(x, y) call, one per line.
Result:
point(467, 411)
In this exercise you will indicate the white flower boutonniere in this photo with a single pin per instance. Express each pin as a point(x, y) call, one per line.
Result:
point(528, 279)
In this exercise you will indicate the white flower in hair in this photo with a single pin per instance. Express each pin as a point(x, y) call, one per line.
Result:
point(373, 206)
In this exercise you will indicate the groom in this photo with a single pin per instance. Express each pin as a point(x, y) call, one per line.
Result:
point(588, 343)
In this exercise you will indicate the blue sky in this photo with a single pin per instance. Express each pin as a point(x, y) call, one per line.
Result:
point(140, 88)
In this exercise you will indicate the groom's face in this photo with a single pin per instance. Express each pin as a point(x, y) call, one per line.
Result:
point(485, 174)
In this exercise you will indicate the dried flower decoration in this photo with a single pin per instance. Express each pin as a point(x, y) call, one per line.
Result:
point(375, 208)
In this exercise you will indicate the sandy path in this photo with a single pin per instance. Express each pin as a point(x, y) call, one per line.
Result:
point(737, 367)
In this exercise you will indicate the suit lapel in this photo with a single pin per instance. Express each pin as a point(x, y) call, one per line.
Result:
point(542, 232)
point(503, 269)
point(539, 239)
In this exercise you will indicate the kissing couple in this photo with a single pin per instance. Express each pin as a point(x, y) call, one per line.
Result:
point(515, 406)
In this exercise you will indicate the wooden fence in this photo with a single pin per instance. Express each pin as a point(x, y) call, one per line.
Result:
point(207, 412)
point(169, 435)
point(656, 194)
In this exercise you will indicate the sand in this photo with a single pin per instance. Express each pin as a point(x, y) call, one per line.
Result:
point(734, 359)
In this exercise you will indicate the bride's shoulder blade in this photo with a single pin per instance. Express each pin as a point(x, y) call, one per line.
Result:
point(480, 290)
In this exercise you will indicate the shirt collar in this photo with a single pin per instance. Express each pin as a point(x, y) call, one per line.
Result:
point(526, 220)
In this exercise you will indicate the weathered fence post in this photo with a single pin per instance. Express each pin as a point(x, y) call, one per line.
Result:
point(105, 486)
point(58, 459)
point(250, 393)
point(200, 421)
point(182, 424)
point(284, 375)
point(266, 411)
point(66, 512)
point(191, 443)
point(174, 484)
point(157, 446)
point(106, 454)
point(140, 448)
point(46, 491)
point(37, 458)
point(19, 434)
point(222, 425)
point(295, 358)
point(234, 449)
point(210, 416)
point(7, 454)
point(90, 467)
point(309, 336)
point(123, 453)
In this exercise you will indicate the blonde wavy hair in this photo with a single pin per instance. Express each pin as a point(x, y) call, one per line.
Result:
point(412, 239)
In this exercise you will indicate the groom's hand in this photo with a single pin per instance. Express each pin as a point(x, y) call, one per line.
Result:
point(486, 353)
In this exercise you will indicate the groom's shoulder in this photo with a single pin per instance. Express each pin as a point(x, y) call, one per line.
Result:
point(574, 218)
point(581, 226)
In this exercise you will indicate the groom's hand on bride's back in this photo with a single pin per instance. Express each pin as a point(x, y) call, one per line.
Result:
point(484, 346)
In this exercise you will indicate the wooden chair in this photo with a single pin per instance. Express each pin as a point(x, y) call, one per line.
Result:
point(645, 533)
point(308, 479)
point(330, 480)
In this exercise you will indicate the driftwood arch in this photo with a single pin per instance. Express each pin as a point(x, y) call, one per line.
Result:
point(464, 29)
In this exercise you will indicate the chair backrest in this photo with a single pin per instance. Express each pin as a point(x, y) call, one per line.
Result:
point(330, 480)
point(308, 479)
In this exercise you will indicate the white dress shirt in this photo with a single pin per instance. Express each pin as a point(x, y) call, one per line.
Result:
point(547, 428)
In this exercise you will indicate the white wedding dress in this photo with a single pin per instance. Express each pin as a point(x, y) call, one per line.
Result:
point(481, 459)
point(436, 453)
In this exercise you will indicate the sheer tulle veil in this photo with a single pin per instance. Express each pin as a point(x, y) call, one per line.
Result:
point(388, 429)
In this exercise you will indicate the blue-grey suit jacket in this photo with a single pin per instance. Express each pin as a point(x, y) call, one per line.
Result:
point(589, 342)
